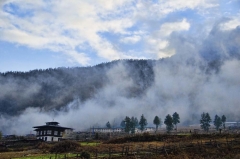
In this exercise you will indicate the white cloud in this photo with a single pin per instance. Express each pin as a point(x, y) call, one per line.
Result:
point(174, 5)
point(150, 10)
point(131, 39)
point(167, 28)
point(231, 24)
point(158, 41)
point(23, 38)
point(62, 26)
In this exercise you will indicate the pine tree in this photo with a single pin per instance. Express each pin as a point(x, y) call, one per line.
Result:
point(108, 125)
point(142, 122)
point(176, 119)
point(224, 120)
point(205, 121)
point(133, 124)
point(127, 124)
point(217, 122)
point(169, 123)
point(157, 122)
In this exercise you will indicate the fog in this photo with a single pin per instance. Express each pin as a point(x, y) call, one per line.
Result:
point(200, 77)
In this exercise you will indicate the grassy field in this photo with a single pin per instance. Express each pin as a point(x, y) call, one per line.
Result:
point(143, 146)
point(89, 143)
point(47, 156)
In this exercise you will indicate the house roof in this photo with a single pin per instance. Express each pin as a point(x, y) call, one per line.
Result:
point(52, 125)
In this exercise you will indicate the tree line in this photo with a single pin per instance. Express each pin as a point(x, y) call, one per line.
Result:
point(171, 121)
point(130, 124)
point(219, 122)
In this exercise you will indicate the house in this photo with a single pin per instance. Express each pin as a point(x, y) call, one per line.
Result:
point(52, 131)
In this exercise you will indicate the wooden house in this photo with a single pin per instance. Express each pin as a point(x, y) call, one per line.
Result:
point(52, 131)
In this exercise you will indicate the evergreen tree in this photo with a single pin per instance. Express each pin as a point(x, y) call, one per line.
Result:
point(142, 122)
point(176, 119)
point(157, 122)
point(108, 125)
point(169, 123)
point(127, 124)
point(205, 121)
point(224, 120)
point(133, 124)
point(217, 122)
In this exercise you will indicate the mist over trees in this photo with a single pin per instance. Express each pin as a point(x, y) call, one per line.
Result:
point(200, 76)
point(54, 89)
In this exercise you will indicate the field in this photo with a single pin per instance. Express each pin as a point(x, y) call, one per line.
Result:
point(136, 146)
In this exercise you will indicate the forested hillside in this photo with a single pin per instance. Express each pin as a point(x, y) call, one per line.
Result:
point(56, 88)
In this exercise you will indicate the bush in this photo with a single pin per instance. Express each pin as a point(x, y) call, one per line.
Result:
point(65, 146)
point(85, 155)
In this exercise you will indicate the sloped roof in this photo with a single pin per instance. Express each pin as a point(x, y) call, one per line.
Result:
point(51, 125)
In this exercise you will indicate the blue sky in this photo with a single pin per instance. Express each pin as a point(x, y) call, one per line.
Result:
point(44, 34)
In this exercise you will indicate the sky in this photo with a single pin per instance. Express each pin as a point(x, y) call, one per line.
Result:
point(43, 34)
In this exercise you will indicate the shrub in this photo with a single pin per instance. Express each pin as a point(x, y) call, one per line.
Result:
point(65, 146)
point(43, 145)
point(85, 155)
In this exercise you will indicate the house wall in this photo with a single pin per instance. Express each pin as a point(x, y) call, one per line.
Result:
point(49, 138)
point(49, 135)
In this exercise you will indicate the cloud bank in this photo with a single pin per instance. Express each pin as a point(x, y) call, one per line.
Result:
point(89, 32)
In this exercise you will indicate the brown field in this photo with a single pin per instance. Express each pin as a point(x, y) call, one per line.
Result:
point(145, 146)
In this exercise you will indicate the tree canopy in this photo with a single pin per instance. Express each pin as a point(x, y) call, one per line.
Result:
point(169, 123)
point(143, 122)
point(205, 121)
point(127, 121)
point(157, 122)
point(176, 119)
point(108, 125)
point(217, 122)
point(133, 124)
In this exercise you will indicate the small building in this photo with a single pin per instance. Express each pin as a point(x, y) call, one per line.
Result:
point(106, 130)
point(120, 129)
point(52, 131)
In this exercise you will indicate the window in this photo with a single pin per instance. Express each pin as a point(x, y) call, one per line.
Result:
point(55, 132)
point(61, 133)
point(49, 132)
